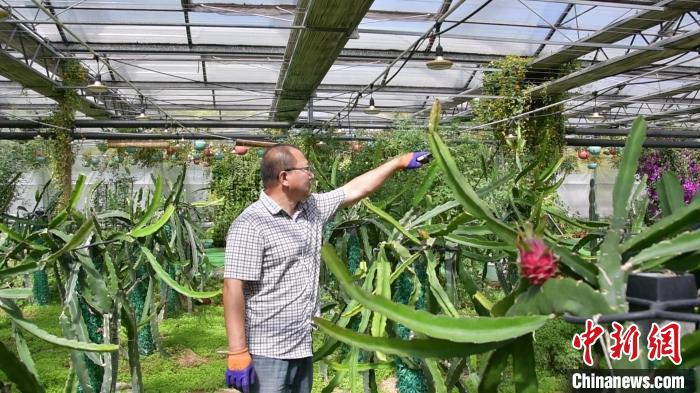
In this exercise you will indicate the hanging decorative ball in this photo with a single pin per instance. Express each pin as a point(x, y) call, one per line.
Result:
point(172, 149)
point(174, 158)
point(595, 150)
point(260, 152)
point(240, 150)
point(612, 151)
point(219, 155)
point(102, 147)
point(356, 146)
point(132, 150)
point(94, 160)
point(200, 144)
point(208, 152)
point(40, 159)
point(592, 165)
point(583, 154)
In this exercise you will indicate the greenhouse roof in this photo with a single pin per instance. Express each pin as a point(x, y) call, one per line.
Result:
point(271, 62)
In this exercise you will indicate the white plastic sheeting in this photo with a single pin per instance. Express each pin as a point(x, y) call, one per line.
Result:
point(574, 192)
point(196, 182)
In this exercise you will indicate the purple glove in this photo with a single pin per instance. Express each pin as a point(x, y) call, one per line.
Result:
point(241, 379)
point(419, 159)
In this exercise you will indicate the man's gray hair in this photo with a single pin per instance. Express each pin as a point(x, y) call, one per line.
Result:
point(275, 160)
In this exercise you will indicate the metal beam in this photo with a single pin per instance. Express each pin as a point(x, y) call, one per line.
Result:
point(36, 51)
point(143, 124)
point(263, 52)
point(27, 135)
point(614, 33)
point(28, 77)
point(624, 101)
point(223, 108)
point(266, 87)
point(554, 28)
point(84, 123)
point(671, 47)
point(658, 115)
point(242, 52)
point(660, 143)
point(225, 136)
point(651, 132)
point(610, 34)
point(636, 4)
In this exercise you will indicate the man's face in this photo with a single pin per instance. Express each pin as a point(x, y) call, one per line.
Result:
point(300, 177)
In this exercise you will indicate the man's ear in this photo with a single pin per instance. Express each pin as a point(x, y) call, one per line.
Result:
point(282, 178)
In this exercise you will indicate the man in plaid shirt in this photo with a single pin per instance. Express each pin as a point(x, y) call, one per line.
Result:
point(272, 263)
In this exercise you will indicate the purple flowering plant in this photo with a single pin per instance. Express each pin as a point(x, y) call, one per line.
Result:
point(685, 163)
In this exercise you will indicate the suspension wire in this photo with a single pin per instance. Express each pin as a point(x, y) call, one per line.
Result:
point(353, 101)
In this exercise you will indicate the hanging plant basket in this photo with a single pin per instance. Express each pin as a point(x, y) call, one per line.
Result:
point(240, 150)
point(595, 150)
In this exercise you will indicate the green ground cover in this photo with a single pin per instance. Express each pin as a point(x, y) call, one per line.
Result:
point(190, 343)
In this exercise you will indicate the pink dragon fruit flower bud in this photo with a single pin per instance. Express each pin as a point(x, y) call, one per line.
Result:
point(537, 263)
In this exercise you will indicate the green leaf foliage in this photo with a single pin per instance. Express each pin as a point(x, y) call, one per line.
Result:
point(670, 193)
point(422, 348)
point(172, 283)
point(17, 372)
point(236, 179)
point(466, 330)
point(559, 296)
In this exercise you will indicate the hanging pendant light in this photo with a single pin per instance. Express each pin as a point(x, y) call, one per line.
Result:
point(142, 113)
point(440, 63)
point(371, 110)
point(595, 114)
point(96, 87)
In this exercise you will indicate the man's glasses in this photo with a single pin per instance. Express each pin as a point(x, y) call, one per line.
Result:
point(306, 169)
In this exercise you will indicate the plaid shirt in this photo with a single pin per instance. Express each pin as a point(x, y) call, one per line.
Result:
point(278, 258)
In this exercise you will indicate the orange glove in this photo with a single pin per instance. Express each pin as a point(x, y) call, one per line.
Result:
point(240, 373)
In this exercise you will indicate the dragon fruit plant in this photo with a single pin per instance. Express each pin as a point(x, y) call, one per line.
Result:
point(583, 277)
point(537, 262)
